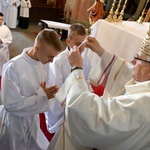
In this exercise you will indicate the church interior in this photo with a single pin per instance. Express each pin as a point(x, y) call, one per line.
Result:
point(120, 30)
point(70, 11)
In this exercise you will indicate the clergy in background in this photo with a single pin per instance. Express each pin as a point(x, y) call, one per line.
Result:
point(24, 14)
point(5, 41)
point(11, 13)
point(0, 5)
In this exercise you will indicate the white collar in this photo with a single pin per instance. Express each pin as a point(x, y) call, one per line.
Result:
point(139, 87)
point(2, 24)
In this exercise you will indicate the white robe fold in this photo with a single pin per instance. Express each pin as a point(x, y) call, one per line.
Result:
point(24, 9)
point(61, 69)
point(23, 100)
point(3, 60)
point(1, 10)
point(109, 122)
point(4, 6)
point(11, 13)
point(6, 37)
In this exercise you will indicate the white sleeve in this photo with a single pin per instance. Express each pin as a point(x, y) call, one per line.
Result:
point(29, 4)
point(18, 3)
point(54, 117)
point(101, 70)
point(86, 69)
point(56, 69)
point(18, 104)
point(8, 39)
point(3, 60)
point(98, 122)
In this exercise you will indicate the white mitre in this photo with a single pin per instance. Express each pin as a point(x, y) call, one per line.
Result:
point(145, 47)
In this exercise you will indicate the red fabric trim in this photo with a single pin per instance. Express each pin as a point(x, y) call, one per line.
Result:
point(43, 127)
point(108, 67)
point(99, 90)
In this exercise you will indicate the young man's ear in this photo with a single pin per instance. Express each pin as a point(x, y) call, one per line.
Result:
point(37, 48)
point(149, 75)
point(68, 41)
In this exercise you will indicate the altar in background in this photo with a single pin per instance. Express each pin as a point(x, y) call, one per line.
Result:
point(123, 39)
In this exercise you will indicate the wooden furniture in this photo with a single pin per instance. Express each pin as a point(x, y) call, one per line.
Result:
point(62, 28)
point(53, 24)
point(41, 10)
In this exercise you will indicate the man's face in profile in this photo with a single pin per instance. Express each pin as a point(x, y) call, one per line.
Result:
point(1, 20)
point(46, 53)
point(141, 69)
point(76, 40)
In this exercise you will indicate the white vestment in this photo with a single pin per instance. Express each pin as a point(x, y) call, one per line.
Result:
point(6, 37)
point(1, 6)
point(24, 9)
point(23, 100)
point(11, 13)
point(61, 69)
point(3, 60)
point(4, 6)
point(109, 122)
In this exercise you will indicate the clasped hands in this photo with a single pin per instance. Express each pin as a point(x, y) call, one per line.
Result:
point(50, 91)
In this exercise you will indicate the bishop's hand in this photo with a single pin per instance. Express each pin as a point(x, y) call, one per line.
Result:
point(94, 45)
point(75, 58)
